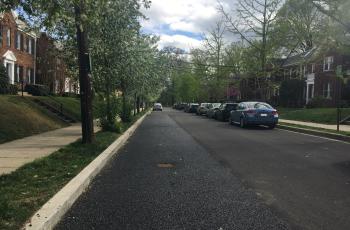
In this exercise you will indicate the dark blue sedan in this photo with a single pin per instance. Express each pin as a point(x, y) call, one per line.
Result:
point(254, 113)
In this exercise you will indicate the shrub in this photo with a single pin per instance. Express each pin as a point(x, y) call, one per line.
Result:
point(4, 80)
point(126, 116)
point(292, 93)
point(37, 90)
point(319, 102)
point(13, 89)
point(101, 111)
point(66, 94)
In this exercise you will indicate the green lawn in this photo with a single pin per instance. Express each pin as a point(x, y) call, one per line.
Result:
point(318, 115)
point(20, 117)
point(24, 191)
point(71, 105)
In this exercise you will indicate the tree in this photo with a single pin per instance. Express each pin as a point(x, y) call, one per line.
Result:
point(65, 16)
point(299, 26)
point(215, 48)
point(254, 24)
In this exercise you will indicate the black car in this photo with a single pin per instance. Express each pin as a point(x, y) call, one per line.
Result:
point(180, 106)
point(192, 108)
point(223, 113)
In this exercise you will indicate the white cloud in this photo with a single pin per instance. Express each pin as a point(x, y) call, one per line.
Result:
point(179, 41)
point(181, 22)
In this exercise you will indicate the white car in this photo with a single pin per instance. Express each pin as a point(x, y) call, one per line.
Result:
point(157, 107)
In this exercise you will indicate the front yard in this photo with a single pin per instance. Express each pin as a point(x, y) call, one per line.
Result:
point(317, 115)
point(21, 117)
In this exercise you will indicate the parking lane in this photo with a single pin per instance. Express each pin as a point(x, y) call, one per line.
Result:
point(305, 177)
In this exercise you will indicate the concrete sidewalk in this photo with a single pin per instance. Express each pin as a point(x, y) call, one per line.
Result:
point(16, 153)
point(345, 128)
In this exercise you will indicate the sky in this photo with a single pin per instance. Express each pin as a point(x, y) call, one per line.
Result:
point(182, 23)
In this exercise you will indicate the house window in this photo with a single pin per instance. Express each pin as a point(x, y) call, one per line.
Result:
point(20, 73)
point(29, 77)
point(29, 45)
point(16, 73)
point(18, 41)
point(25, 43)
point(327, 90)
point(32, 42)
point(8, 37)
point(304, 70)
point(328, 61)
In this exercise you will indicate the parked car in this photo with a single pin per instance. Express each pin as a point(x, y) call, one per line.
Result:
point(223, 113)
point(192, 108)
point(254, 113)
point(180, 106)
point(203, 108)
point(212, 110)
point(157, 107)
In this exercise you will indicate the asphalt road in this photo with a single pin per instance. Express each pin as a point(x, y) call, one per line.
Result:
point(197, 192)
point(223, 177)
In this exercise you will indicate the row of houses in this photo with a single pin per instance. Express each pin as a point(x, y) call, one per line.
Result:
point(324, 71)
point(31, 58)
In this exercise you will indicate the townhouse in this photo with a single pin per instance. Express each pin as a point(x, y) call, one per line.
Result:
point(17, 49)
point(324, 71)
point(32, 58)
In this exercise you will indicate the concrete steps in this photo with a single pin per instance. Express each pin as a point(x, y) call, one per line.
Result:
point(55, 111)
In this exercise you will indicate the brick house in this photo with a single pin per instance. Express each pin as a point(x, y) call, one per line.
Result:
point(319, 69)
point(17, 49)
point(51, 68)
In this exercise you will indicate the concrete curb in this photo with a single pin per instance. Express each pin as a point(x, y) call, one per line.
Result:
point(335, 136)
point(51, 212)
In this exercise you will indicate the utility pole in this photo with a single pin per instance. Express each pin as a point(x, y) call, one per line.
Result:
point(84, 77)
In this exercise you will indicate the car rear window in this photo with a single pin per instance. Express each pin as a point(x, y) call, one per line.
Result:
point(262, 106)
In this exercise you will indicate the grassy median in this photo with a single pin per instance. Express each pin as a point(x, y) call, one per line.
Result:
point(316, 129)
point(27, 189)
point(24, 191)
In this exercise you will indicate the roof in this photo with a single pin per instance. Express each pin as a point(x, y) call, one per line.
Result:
point(21, 25)
point(299, 58)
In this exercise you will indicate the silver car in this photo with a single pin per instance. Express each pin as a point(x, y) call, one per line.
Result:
point(157, 107)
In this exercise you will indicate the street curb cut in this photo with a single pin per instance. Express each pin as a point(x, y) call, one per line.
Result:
point(335, 136)
point(52, 212)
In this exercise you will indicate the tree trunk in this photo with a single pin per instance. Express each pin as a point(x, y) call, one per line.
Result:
point(138, 104)
point(135, 105)
point(84, 78)
point(124, 112)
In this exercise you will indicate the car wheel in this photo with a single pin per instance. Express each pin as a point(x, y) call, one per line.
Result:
point(230, 121)
point(241, 123)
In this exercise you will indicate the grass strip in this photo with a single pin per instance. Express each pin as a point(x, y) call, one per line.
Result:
point(316, 129)
point(28, 188)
